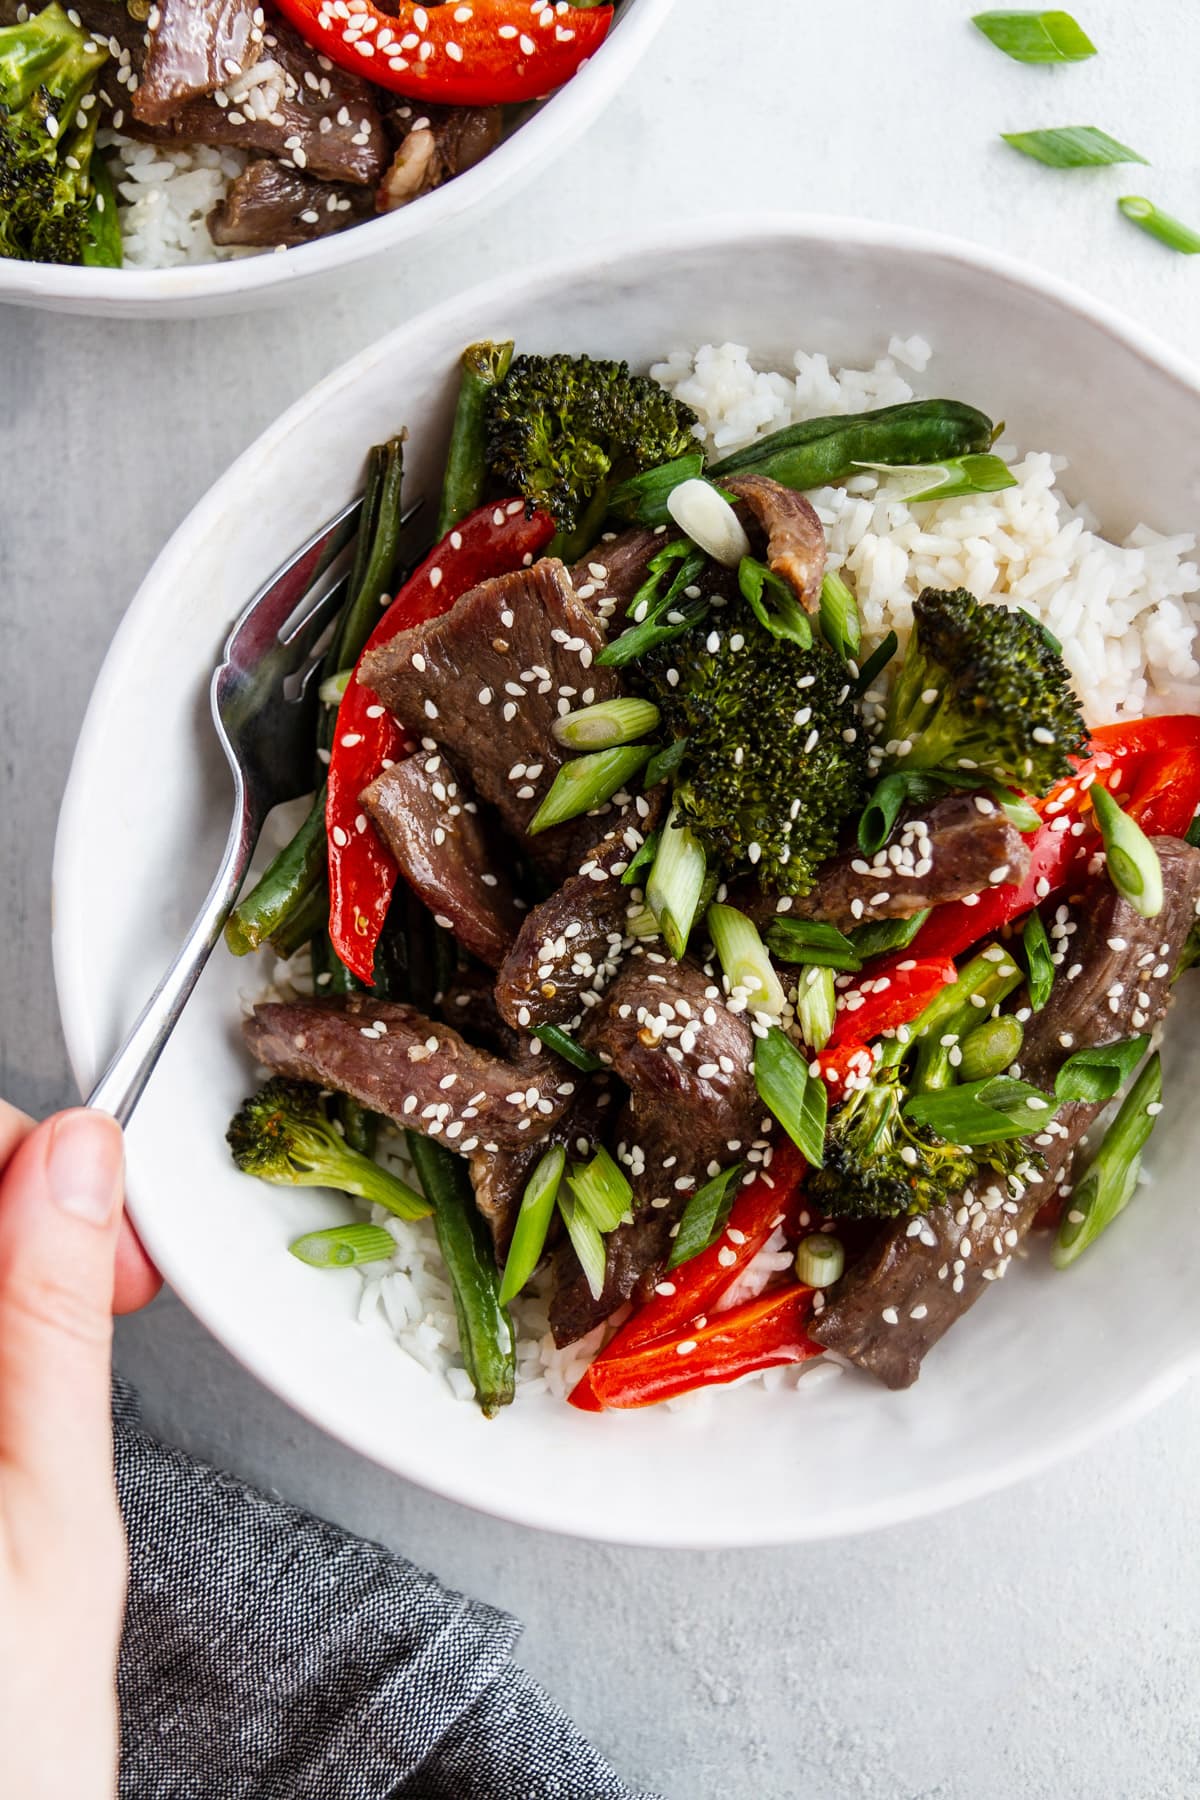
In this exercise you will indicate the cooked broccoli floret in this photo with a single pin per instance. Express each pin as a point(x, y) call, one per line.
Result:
point(776, 753)
point(282, 1134)
point(564, 430)
point(981, 688)
point(47, 136)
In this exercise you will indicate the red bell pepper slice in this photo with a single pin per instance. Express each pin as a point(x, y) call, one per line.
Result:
point(771, 1199)
point(493, 540)
point(885, 998)
point(1157, 767)
point(762, 1334)
point(479, 53)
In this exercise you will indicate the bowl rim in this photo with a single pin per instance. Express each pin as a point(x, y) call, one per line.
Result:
point(560, 118)
point(700, 234)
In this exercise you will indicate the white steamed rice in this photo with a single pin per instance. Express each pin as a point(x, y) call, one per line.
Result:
point(1127, 616)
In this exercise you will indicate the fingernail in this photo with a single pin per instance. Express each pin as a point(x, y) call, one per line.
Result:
point(84, 1165)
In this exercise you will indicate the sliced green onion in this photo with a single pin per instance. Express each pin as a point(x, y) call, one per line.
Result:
point(1054, 643)
point(839, 617)
point(890, 796)
point(1071, 147)
point(586, 782)
point(744, 959)
point(641, 858)
point(784, 617)
point(664, 762)
point(602, 1189)
point(1016, 809)
point(811, 941)
point(332, 690)
point(650, 634)
point(704, 1217)
point(1036, 37)
point(564, 1045)
point(816, 1004)
point(877, 662)
point(797, 1099)
point(607, 724)
point(1171, 232)
point(1132, 860)
point(586, 1242)
point(642, 500)
point(983, 1112)
point(343, 1246)
point(978, 474)
point(991, 1048)
point(1039, 961)
point(703, 512)
point(1110, 1181)
point(533, 1222)
point(675, 881)
point(880, 935)
point(640, 923)
point(1096, 1075)
point(820, 1260)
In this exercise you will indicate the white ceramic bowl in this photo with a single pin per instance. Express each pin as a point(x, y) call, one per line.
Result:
point(1048, 1360)
point(253, 281)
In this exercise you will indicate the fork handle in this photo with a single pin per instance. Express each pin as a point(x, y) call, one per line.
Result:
point(120, 1087)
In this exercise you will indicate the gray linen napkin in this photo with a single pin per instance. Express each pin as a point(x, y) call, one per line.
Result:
point(269, 1656)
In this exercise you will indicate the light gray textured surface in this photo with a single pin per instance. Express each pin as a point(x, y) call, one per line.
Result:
point(1038, 1644)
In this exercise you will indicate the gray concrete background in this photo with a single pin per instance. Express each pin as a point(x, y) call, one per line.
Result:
point(1037, 1644)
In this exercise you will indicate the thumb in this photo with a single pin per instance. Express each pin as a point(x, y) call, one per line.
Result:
point(60, 1208)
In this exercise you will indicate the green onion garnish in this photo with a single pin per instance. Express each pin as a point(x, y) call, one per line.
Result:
point(707, 516)
point(586, 782)
point(1016, 809)
point(991, 1048)
point(332, 690)
point(1109, 1184)
point(586, 1242)
point(812, 941)
point(1132, 860)
point(877, 662)
point(343, 1246)
point(641, 858)
point(1039, 961)
point(839, 618)
point(664, 762)
point(602, 1189)
point(1036, 37)
point(533, 1222)
point(797, 1099)
point(1171, 232)
point(564, 1045)
point(649, 605)
point(1071, 147)
point(607, 724)
point(816, 1005)
point(983, 1112)
point(642, 499)
point(880, 935)
point(744, 959)
point(820, 1260)
point(979, 474)
point(704, 1217)
point(773, 603)
point(675, 881)
point(1096, 1075)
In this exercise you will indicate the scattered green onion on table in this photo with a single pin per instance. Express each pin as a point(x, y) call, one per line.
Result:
point(1072, 147)
point(1172, 232)
point(1036, 37)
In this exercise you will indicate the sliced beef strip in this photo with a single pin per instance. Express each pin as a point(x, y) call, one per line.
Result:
point(396, 1061)
point(499, 1177)
point(431, 823)
point(611, 575)
point(665, 1030)
point(311, 116)
point(924, 1282)
point(469, 1005)
point(486, 681)
point(270, 204)
point(961, 844)
point(435, 143)
point(568, 948)
point(195, 46)
point(795, 536)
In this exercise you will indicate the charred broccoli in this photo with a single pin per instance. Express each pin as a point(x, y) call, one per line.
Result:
point(981, 688)
point(878, 1165)
point(776, 756)
point(282, 1134)
point(565, 430)
point(51, 207)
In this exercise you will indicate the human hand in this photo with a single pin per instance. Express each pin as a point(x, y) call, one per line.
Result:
point(67, 1258)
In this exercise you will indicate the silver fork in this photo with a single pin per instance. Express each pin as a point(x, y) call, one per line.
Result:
point(264, 700)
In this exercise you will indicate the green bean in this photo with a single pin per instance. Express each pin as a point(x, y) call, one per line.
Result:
point(102, 236)
point(360, 1127)
point(484, 1327)
point(817, 451)
point(284, 886)
point(303, 924)
point(484, 366)
point(373, 570)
